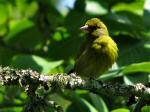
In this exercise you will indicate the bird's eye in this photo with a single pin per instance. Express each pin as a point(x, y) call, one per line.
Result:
point(93, 27)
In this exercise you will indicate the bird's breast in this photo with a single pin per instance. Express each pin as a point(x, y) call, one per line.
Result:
point(95, 61)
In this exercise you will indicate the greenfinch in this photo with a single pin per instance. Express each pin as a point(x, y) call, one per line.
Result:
point(99, 51)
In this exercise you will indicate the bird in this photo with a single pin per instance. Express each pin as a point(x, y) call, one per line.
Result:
point(99, 51)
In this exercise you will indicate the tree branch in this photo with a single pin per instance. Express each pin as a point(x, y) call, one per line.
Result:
point(16, 48)
point(30, 80)
point(10, 105)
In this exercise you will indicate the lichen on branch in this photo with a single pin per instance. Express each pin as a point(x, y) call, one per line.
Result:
point(30, 80)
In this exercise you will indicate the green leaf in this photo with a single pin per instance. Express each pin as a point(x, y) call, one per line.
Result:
point(98, 103)
point(17, 26)
point(135, 71)
point(3, 13)
point(5, 56)
point(147, 14)
point(69, 46)
point(3, 29)
point(21, 6)
point(137, 6)
point(79, 5)
point(132, 70)
point(4, 17)
point(135, 78)
point(137, 67)
point(46, 65)
point(78, 18)
point(2, 93)
point(146, 108)
point(62, 101)
point(121, 110)
point(35, 63)
point(110, 3)
point(111, 73)
point(79, 104)
point(93, 7)
point(132, 50)
point(125, 22)
point(31, 10)
point(91, 108)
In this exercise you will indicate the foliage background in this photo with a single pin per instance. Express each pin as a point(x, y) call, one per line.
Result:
point(40, 35)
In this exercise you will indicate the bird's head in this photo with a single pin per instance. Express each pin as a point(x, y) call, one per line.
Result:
point(95, 27)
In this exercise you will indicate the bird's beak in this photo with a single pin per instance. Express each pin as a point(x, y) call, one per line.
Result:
point(84, 28)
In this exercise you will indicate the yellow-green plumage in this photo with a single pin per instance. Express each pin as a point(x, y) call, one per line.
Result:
point(99, 51)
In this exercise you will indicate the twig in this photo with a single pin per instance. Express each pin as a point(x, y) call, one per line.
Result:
point(20, 49)
point(10, 105)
